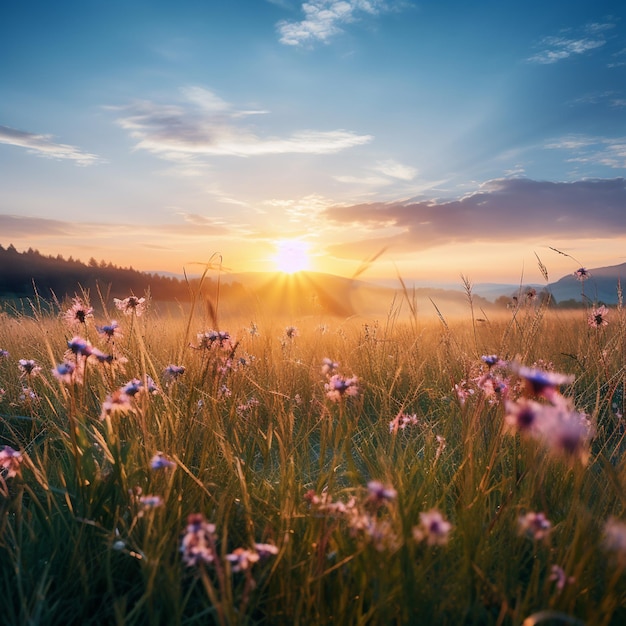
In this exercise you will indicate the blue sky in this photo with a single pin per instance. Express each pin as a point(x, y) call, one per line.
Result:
point(457, 137)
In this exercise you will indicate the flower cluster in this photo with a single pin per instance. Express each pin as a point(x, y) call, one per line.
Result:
point(402, 421)
point(214, 338)
point(489, 377)
point(554, 423)
point(369, 519)
point(199, 547)
point(338, 387)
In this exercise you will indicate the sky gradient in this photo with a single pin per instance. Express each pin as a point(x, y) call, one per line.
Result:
point(442, 138)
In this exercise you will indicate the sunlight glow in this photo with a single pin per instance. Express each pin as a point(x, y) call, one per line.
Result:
point(292, 255)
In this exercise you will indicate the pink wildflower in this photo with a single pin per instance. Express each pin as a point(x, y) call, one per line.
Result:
point(198, 542)
point(433, 528)
point(338, 387)
point(10, 461)
point(117, 402)
point(242, 559)
point(78, 313)
point(536, 525)
point(598, 317)
point(131, 305)
point(28, 367)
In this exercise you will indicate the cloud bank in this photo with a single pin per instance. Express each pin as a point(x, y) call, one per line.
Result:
point(42, 145)
point(203, 125)
point(501, 210)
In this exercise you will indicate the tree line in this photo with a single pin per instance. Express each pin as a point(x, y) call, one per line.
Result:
point(23, 273)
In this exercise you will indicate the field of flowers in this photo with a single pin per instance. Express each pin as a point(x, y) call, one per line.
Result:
point(157, 469)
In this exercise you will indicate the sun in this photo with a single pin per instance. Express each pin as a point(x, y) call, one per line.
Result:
point(292, 255)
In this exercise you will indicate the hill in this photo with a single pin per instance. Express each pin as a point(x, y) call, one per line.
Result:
point(302, 293)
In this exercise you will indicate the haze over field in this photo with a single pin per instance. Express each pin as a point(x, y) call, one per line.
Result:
point(438, 138)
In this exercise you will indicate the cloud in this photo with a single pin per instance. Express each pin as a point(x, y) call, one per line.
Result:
point(609, 152)
point(397, 170)
point(558, 48)
point(500, 210)
point(16, 227)
point(323, 19)
point(42, 145)
point(203, 125)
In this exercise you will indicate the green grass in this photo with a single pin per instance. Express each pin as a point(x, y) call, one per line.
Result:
point(77, 547)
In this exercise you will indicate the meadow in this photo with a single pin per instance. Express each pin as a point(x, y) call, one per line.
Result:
point(413, 469)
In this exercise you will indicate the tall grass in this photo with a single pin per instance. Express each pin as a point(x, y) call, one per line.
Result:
point(259, 449)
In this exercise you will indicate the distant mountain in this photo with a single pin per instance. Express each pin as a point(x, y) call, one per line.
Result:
point(310, 293)
point(601, 286)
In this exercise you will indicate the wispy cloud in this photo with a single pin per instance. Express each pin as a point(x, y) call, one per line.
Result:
point(18, 227)
point(42, 145)
point(607, 151)
point(559, 47)
point(204, 125)
point(500, 210)
point(393, 169)
point(324, 18)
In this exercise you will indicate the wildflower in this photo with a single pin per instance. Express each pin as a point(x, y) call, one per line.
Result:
point(569, 434)
point(150, 502)
point(160, 461)
point(132, 387)
point(248, 406)
point(531, 294)
point(131, 305)
point(329, 366)
point(242, 559)
point(78, 313)
point(291, 332)
point(433, 528)
point(4, 354)
point(463, 392)
point(80, 346)
point(150, 386)
point(28, 395)
point(173, 372)
point(401, 421)
point(109, 331)
point(490, 360)
point(541, 383)
point(28, 367)
point(338, 387)
point(265, 550)
point(101, 357)
point(198, 542)
point(523, 416)
point(558, 575)
point(10, 461)
point(582, 274)
point(209, 338)
point(117, 402)
point(535, 525)
point(597, 317)
point(614, 539)
point(64, 372)
point(379, 493)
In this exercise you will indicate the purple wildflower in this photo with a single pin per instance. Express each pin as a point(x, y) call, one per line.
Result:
point(159, 461)
point(10, 461)
point(433, 528)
